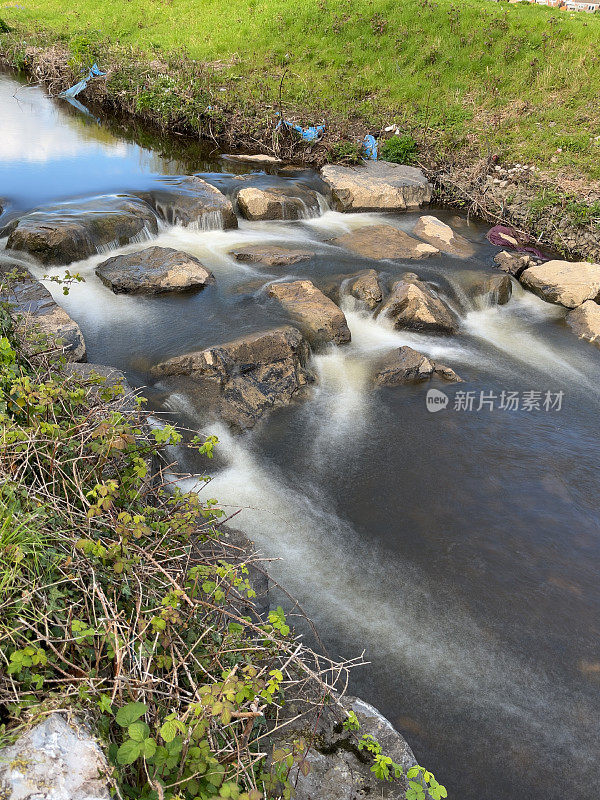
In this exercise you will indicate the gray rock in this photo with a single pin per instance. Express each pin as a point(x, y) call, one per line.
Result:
point(384, 241)
point(250, 375)
point(440, 235)
point(193, 202)
point(318, 317)
point(74, 230)
point(337, 769)
point(413, 305)
point(513, 263)
point(377, 186)
point(365, 287)
point(54, 761)
point(257, 158)
point(585, 321)
point(154, 270)
point(406, 365)
point(33, 307)
point(563, 282)
point(271, 255)
point(277, 203)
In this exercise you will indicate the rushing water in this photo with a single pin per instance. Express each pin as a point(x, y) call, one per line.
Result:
point(458, 549)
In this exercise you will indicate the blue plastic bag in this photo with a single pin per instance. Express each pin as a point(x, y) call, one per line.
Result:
point(79, 87)
point(311, 134)
point(370, 147)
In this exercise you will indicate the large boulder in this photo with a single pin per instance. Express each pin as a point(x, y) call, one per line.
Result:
point(74, 230)
point(413, 305)
point(33, 307)
point(252, 374)
point(365, 287)
point(278, 203)
point(193, 202)
point(334, 767)
point(384, 241)
point(405, 365)
point(563, 282)
point(585, 321)
point(377, 186)
point(318, 317)
point(153, 270)
point(438, 234)
point(270, 255)
point(54, 760)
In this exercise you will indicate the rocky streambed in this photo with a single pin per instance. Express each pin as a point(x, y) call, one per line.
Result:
point(306, 319)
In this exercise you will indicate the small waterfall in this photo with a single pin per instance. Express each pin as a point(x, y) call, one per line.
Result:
point(144, 235)
point(209, 221)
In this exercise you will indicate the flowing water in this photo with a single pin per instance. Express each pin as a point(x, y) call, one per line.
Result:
point(459, 549)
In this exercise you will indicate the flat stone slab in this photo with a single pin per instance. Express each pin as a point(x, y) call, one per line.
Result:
point(563, 282)
point(318, 317)
point(54, 761)
point(585, 321)
point(253, 374)
point(154, 270)
point(384, 241)
point(33, 307)
point(74, 230)
point(191, 201)
point(438, 234)
point(257, 158)
point(270, 255)
point(277, 203)
point(377, 186)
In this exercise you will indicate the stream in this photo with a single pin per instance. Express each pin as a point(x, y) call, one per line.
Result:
point(459, 549)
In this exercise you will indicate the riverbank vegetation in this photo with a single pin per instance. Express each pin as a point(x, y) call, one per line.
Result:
point(519, 82)
point(123, 603)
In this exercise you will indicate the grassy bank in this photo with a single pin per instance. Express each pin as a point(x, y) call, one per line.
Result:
point(518, 81)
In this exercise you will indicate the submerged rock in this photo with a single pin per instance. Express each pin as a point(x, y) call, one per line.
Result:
point(563, 282)
point(277, 203)
point(384, 241)
point(413, 305)
point(252, 374)
point(74, 230)
point(54, 760)
point(496, 289)
point(585, 321)
point(406, 365)
point(153, 270)
point(193, 202)
point(440, 235)
point(337, 769)
point(377, 186)
point(32, 305)
point(271, 255)
point(318, 317)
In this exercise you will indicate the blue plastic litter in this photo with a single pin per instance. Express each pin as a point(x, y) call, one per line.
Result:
point(311, 134)
point(79, 87)
point(370, 147)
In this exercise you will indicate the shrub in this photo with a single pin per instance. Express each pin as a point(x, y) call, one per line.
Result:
point(399, 149)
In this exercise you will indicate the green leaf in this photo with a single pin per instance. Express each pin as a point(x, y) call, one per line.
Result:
point(130, 713)
point(138, 731)
point(149, 747)
point(168, 730)
point(129, 752)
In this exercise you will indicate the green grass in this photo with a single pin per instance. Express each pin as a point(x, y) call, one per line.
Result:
point(519, 81)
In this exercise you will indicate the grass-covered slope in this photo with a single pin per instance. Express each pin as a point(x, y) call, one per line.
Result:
point(519, 81)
